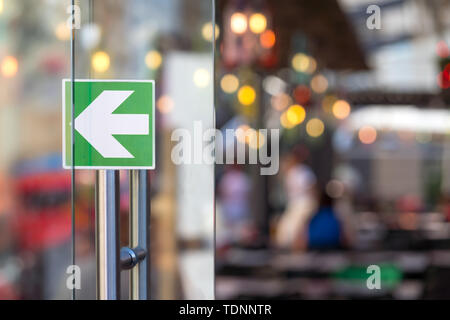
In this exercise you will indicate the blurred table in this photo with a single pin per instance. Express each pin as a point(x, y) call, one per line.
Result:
point(270, 274)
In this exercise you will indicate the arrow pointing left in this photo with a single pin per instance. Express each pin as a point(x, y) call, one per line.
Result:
point(97, 124)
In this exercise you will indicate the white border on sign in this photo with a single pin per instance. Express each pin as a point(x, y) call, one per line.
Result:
point(65, 166)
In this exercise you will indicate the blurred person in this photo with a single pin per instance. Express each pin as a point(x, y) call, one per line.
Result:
point(342, 188)
point(299, 184)
point(234, 194)
point(324, 230)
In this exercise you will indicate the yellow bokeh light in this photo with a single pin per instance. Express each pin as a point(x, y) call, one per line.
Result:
point(201, 78)
point(258, 23)
point(341, 109)
point(319, 84)
point(239, 23)
point(285, 122)
point(153, 60)
point(315, 127)
point(2, 6)
point(62, 32)
point(296, 114)
point(100, 61)
point(9, 67)
point(229, 83)
point(367, 135)
point(165, 104)
point(246, 95)
point(281, 101)
point(301, 62)
point(207, 32)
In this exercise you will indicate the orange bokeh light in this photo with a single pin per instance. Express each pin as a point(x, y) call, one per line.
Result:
point(341, 109)
point(165, 104)
point(267, 39)
point(367, 135)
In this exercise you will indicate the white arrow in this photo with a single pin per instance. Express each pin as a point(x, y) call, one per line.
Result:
point(97, 124)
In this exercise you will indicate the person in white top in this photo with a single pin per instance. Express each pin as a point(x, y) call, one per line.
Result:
point(300, 187)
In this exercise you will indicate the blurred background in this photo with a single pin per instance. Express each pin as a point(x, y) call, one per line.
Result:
point(364, 162)
point(364, 173)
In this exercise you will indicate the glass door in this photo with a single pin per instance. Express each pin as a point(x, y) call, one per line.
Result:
point(157, 58)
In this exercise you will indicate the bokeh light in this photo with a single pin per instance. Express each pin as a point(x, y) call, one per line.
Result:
point(341, 109)
point(281, 101)
point(153, 60)
point(229, 83)
point(165, 104)
point(246, 95)
point(9, 67)
point(367, 135)
point(284, 121)
point(312, 66)
point(302, 94)
point(207, 31)
point(201, 78)
point(62, 32)
point(319, 84)
point(90, 36)
point(315, 127)
point(267, 39)
point(258, 23)
point(296, 114)
point(443, 79)
point(239, 23)
point(2, 6)
point(100, 61)
point(301, 62)
point(442, 49)
point(274, 85)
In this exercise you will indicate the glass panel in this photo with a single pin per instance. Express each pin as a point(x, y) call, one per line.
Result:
point(160, 41)
point(164, 41)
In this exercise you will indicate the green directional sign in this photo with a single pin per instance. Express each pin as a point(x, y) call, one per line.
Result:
point(114, 124)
